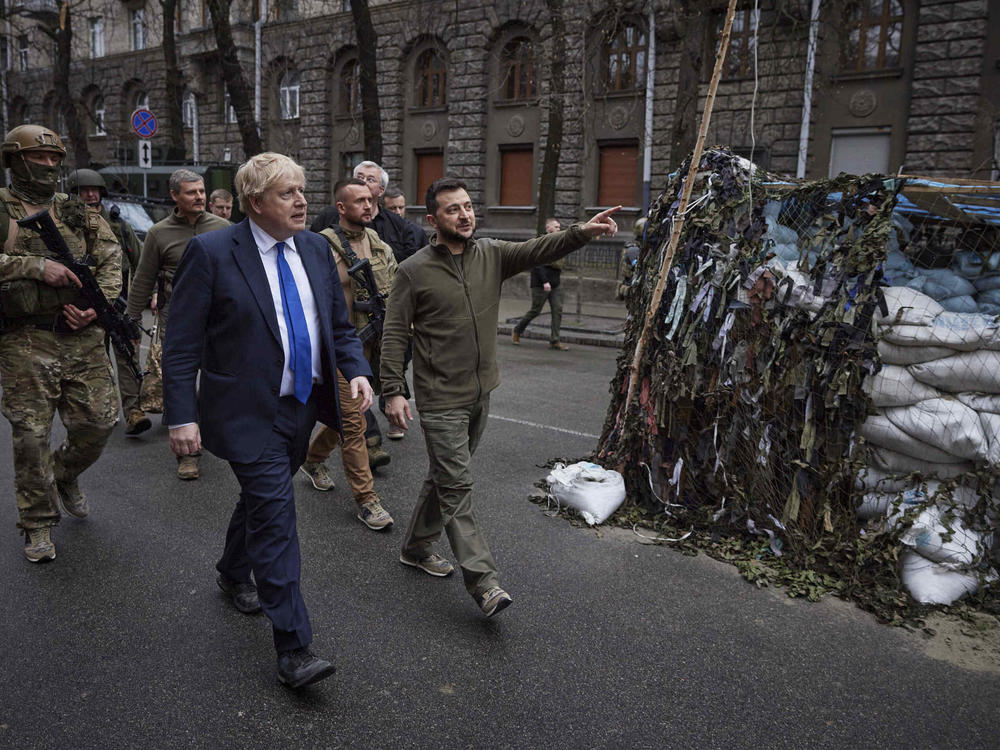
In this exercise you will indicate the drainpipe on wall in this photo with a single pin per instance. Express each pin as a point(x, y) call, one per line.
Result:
point(807, 91)
point(194, 132)
point(258, 26)
point(647, 155)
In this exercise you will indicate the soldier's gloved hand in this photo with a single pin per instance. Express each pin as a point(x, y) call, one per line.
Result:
point(56, 274)
point(397, 411)
point(77, 318)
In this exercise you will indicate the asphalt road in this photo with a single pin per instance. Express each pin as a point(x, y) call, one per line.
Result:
point(125, 642)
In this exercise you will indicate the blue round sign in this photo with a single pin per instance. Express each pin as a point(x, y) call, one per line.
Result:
point(144, 123)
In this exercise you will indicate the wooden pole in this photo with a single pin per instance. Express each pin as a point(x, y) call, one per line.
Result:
point(678, 223)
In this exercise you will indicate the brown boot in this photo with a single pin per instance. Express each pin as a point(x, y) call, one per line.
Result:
point(187, 467)
point(515, 337)
point(377, 457)
point(136, 422)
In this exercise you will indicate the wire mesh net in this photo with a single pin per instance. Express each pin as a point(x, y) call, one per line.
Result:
point(822, 373)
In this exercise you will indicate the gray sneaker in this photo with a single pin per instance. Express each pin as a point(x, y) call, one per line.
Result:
point(320, 477)
point(433, 564)
point(72, 499)
point(39, 546)
point(374, 516)
point(493, 600)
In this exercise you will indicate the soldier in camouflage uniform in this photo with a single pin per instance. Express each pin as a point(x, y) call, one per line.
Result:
point(91, 188)
point(51, 356)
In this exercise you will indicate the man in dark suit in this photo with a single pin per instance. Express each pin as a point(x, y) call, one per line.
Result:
point(260, 313)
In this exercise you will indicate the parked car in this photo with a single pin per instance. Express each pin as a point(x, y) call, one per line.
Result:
point(134, 210)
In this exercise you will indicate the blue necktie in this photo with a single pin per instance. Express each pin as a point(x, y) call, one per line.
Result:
point(299, 348)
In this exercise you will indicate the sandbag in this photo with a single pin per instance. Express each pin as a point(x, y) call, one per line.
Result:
point(878, 504)
point(880, 431)
point(988, 282)
point(896, 354)
point(943, 423)
point(980, 401)
point(592, 490)
point(893, 462)
point(961, 331)
point(963, 303)
point(989, 296)
point(943, 538)
point(895, 386)
point(933, 583)
point(968, 371)
point(990, 424)
point(908, 306)
point(875, 481)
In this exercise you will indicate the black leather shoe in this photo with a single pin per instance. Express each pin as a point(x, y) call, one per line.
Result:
point(299, 667)
point(242, 595)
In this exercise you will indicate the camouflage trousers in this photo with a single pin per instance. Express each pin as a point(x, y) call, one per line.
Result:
point(41, 372)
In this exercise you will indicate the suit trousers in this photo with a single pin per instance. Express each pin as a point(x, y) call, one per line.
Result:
point(445, 500)
point(262, 537)
point(353, 450)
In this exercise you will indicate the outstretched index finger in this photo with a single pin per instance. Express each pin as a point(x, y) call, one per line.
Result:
point(606, 213)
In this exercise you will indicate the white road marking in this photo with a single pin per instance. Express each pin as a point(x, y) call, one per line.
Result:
point(544, 426)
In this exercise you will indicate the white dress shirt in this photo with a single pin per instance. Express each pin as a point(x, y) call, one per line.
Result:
point(267, 246)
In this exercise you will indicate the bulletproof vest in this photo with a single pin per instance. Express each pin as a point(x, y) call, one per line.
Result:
point(379, 264)
point(28, 297)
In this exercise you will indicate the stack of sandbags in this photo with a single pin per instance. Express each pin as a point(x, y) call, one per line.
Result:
point(937, 414)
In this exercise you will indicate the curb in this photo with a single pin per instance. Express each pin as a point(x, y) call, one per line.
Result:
point(566, 335)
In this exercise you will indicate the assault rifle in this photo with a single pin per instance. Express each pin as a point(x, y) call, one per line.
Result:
point(374, 306)
point(122, 331)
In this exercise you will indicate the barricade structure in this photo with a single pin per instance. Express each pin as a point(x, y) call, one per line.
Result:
point(822, 374)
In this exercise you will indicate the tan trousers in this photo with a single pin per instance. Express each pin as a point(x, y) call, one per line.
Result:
point(353, 451)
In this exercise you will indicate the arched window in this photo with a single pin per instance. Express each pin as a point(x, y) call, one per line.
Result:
point(873, 32)
point(431, 80)
point(141, 101)
point(350, 88)
point(517, 66)
point(288, 95)
point(624, 59)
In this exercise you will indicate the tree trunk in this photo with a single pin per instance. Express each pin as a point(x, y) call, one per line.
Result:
point(176, 148)
point(371, 117)
point(554, 140)
point(77, 130)
point(232, 75)
point(691, 19)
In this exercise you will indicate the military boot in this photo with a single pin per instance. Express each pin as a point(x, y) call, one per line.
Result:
point(136, 422)
point(187, 467)
point(39, 546)
point(72, 499)
point(377, 456)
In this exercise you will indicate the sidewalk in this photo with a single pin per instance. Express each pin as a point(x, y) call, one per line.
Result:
point(598, 324)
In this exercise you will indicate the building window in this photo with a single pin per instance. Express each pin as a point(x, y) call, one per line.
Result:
point(285, 10)
point(229, 112)
point(98, 116)
point(22, 53)
point(516, 175)
point(139, 29)
point(742, 43)
point(350, 88)
point(517, 66)
point(618, 181)
point(189, 109)
point(97, 37)
point(624, 59)
point(141, 101)
point(431, 80)
point(348, 161)
point(288, 95)
point(873, 31)
point(430, 167)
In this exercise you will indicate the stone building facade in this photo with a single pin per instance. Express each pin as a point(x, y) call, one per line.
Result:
point(464, 90)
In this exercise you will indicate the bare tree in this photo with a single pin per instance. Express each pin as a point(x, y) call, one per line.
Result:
point(232, 75)
point(557, 89)
point(691, 19)
point(371, 116)
point(176, 148)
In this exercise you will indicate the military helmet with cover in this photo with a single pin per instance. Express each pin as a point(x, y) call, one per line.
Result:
point(640, 225)
point(30, 138)
point(87, 178)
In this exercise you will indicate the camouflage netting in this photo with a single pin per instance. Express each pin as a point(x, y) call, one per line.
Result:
point(753, 409)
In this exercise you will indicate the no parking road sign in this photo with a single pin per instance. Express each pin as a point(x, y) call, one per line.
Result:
point(144, 123)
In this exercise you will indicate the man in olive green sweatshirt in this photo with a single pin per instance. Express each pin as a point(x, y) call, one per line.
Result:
point(449, 291)
point(161, 252)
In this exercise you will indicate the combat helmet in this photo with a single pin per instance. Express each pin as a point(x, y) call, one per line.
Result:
point(30, 138)
point(87, 178)
point(639, 226)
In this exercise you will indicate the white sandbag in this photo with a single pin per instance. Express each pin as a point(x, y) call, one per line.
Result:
point(875, 481)
point(945, 424)
point(981, 401)
point(895, 354)
point(943, 538)
point(933, 583)
point(989, 308)
point(909, 307)
point(963, 303)
point(942, 283)
point(880, 431)
point(893, 462)
point(878, 504)
point(961, 331)
point(592, 490)
point(801, 295)
point(990, 423)
point(967, 371)
point(895, 386)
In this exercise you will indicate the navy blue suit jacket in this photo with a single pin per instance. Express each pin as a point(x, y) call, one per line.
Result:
point(223, 324)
